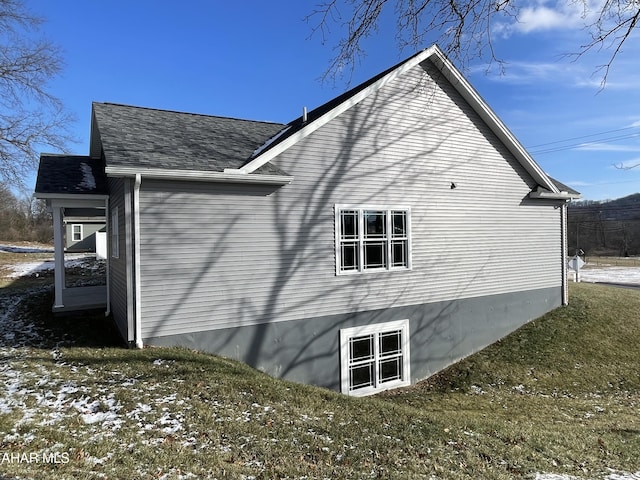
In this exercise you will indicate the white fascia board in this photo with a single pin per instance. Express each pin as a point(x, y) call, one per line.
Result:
point(69, 196)
point(270, 154)
point(198, 175)
point(78, 203)
point(543, 194)
point(496, 125)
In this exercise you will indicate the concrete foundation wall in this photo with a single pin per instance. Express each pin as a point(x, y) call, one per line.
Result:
point(307, 350)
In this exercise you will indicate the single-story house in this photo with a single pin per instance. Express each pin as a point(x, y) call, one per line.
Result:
point(366, 245)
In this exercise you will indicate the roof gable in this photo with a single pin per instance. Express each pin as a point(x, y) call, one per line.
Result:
point(299, 128)
point(162, 139)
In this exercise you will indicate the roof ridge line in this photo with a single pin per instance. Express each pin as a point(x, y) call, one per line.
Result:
point(188, 113)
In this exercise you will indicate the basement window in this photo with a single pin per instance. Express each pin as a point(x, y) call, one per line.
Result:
point(372, 239)
point(374, 358)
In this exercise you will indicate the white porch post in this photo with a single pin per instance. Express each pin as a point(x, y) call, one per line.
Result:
point(58, 245)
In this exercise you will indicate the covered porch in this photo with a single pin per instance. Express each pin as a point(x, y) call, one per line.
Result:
point(69, 297)
point(80, 187)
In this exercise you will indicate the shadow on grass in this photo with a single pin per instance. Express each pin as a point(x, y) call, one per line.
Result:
point(29, 322)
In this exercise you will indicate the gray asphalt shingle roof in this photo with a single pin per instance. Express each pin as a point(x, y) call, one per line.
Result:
point(71, 174)
point(564, 188)
point(146, 137)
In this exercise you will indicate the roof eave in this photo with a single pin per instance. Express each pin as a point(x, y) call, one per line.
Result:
point(198, 175)
point(71, 196)
point(544, 194)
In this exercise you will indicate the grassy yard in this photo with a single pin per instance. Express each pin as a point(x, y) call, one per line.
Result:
point(560, 395)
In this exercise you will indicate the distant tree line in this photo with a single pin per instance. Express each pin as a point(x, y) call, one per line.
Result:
point(605, 228)
point(23, 218)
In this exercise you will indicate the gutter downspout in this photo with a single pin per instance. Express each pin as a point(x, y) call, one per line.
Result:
point(563, 242)
point(136, 255)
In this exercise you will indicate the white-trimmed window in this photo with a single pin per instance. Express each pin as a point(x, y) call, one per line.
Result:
point(76, 232)
point(372, 239)
point(374, 358)
point(115, 234)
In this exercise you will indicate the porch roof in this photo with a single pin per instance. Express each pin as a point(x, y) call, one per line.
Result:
point(70, 174)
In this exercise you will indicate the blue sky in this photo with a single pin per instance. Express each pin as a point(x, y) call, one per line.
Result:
point(258, 60)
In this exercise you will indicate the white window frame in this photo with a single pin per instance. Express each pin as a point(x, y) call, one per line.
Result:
point(376, 330)
point(73, 232)
point(388, 238)
point(115, 234)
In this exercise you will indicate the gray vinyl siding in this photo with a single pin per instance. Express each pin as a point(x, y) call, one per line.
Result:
point(218, 256)
point(118, 266)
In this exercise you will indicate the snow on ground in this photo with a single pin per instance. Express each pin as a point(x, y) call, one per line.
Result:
point(49, 394)
point(23, 249)
point(623, 275)
point(34, 268)
point(24, 269)
point(613, 475)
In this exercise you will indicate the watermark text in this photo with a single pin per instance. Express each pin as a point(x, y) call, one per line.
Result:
point(7, 458)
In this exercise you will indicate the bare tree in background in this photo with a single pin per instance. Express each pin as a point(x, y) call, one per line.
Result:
point(464, 29)
point(30, 117)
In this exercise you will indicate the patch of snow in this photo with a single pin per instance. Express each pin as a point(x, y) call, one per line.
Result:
point(98, 417)
point(177, 475)
point(476, 389)
point(160, 362)
point(519, 389)
point(613, 475)
point(99, 461)
point(34, 268)
point(624, 275)
point(554, 476)
point(20, 249)
point(88, 180)
point(169, 425)
point(622, 476)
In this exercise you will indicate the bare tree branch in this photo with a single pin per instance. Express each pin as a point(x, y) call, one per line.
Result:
point(622, 166)
point(462, 28)
point(615, 24)
point(31, 117)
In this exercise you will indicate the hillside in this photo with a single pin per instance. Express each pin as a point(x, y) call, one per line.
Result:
point(609, 227)
point(559, 395)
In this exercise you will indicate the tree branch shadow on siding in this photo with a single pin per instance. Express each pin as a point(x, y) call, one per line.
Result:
point(215, 251)
point(302, 216)
point(298, 251)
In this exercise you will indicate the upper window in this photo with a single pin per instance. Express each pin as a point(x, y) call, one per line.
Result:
point(370, 239)
point(76, 230)
point(374, 357)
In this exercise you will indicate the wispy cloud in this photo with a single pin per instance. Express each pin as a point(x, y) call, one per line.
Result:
point(543, 18)
point(608, 147)
point(530, 72)
point(579, 183)
point(585, 75)
point(549, 15)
